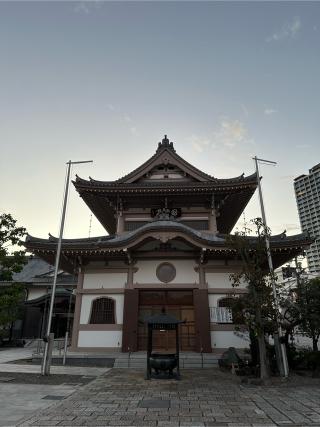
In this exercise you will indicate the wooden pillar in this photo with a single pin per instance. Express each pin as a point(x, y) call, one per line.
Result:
point(202, 277)
point(130, 276)
point(130, 320)
point(77, 312)
point(120, 223)
point(213, 222)
point(202, 320)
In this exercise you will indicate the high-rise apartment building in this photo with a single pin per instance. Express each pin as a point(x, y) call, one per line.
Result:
point(307, 190)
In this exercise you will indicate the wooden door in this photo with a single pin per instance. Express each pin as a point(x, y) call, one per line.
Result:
point(166, 340)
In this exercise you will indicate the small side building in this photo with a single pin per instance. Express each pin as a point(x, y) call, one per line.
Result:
point(37, 277)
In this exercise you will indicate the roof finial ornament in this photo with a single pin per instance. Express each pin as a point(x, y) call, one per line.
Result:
point(166, 144)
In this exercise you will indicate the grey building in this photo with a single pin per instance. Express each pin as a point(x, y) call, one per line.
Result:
point(307, 190)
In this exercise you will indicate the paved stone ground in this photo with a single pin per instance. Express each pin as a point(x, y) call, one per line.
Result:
point(20, 400)
point(202, 398)
point(23, 390)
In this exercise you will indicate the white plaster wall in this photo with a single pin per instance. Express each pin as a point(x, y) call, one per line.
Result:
point(36, 293)
point(184, 271)
point(104, 280)
point(226, 339)
point(100, 339)
point(86, 307)
point(218, 280)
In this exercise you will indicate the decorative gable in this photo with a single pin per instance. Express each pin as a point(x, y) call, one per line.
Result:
point(166, 165)
point(166, 172)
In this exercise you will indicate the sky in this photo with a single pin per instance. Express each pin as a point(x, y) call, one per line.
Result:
point(104, 81)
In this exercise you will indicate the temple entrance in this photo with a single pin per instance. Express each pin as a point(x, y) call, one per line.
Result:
point(176, 303)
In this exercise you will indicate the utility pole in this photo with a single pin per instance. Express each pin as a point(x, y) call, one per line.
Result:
point(279, 347)
point(49, 338)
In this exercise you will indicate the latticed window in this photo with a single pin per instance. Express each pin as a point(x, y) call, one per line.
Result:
point(225, 302)
point(102, 311)
point(222, 313)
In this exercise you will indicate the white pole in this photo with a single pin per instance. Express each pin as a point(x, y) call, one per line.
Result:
point(65, 348)
point(45, 367)
point(270, 263)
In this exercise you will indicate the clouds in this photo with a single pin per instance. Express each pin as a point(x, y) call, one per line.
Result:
point(81, 7)
point(289, 30)
point(230, 133)
point(244, 110)
point(85, 7)
point(198, 143)
point(303, 146)
point(227, 134)
point(269, 111)
point(124, 118)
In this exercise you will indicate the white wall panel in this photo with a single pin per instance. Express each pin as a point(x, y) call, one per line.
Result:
point(218, 280)
point(100, 339)
point(36, 293)
point(104, 280)
point(184, 271)
point(226, 339)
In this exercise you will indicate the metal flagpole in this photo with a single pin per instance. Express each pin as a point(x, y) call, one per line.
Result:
point(280, 347)
point(45, 366)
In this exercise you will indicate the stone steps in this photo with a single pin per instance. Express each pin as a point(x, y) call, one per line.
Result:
point(187, 361)
point(135, 360)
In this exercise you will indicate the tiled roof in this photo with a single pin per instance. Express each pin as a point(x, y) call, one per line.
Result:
point(121, 241)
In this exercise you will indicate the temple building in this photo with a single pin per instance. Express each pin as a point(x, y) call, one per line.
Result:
point(166, 248)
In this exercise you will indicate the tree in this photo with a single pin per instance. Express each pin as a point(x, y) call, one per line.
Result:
point(308, 307)
point(257, 305)
point(11, 299)
point(11, 261)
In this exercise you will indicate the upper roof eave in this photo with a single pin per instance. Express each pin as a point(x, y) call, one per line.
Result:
point(82, 184)
point(167, 153)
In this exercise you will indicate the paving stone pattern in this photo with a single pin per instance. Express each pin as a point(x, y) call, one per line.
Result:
point(202, 398)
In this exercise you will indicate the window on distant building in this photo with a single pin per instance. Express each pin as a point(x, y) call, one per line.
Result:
point(102, 311)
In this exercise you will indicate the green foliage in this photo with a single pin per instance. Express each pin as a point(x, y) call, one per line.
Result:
point(11, 299)
point(313, 360)
point(308, 308)
point(256, 308)
point(299, 358)
point(256, 276)
point(11, 261)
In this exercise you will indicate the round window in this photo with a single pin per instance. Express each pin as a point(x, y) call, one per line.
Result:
point(166, 272)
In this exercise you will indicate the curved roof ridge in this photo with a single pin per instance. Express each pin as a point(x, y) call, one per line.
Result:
point(84, 239)
point(51, 238)
point(165, 225)
point(240, 178)
point(278, 237)
point(30, 238)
